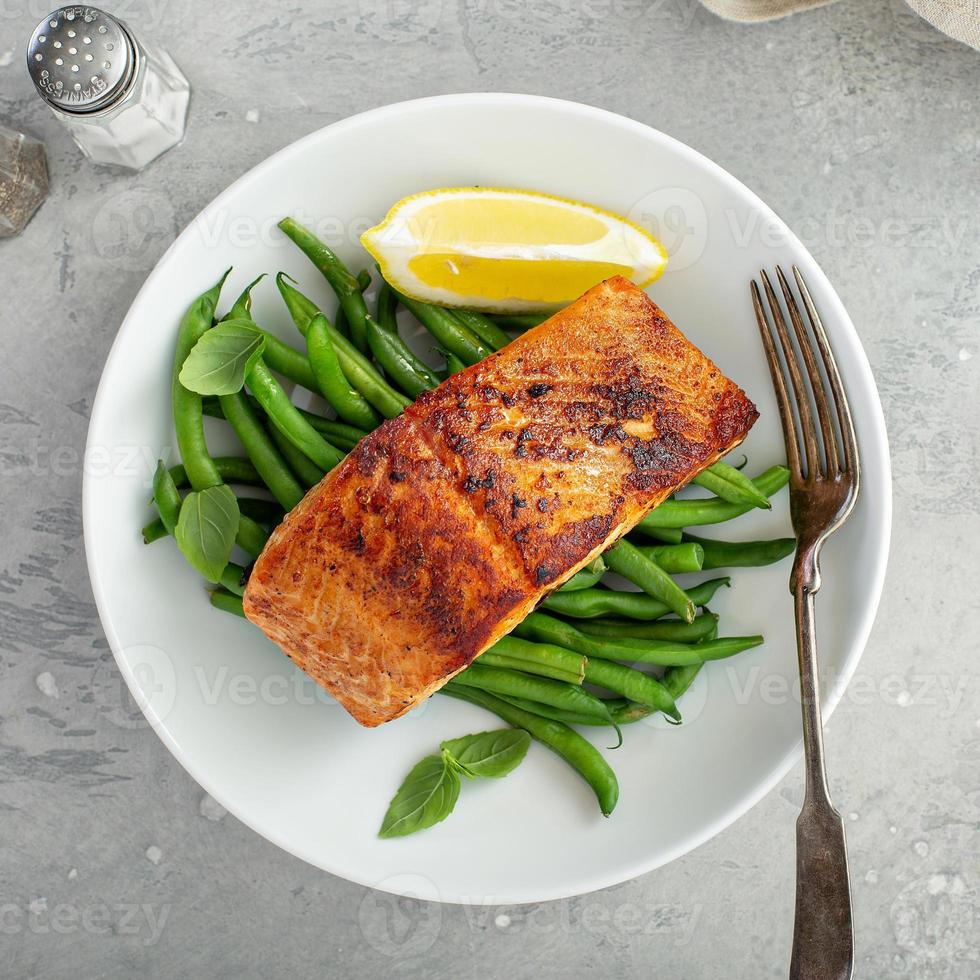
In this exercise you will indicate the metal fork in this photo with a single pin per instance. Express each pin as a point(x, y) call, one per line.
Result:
point(824, 482)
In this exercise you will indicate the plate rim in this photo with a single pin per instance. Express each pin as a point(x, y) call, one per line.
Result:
point(830, 695)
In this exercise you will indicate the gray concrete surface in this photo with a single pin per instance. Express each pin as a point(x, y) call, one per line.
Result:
point(859, 125)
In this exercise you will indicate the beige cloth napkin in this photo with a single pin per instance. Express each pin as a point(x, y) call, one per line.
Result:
point(959, 19)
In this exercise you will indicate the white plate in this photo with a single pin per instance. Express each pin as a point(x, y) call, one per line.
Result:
point(291, 764)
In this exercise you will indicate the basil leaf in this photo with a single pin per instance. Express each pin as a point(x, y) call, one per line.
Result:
point(219, 361)
point(489, 754)
point(427, 796)
point(206, 529)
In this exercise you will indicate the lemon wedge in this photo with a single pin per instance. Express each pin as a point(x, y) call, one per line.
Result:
point(507, 251)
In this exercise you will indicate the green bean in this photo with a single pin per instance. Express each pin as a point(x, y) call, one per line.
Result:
point(666, 653)
point(675, 558)
point(345, 285)
point(387, 308)
point(359, 371)
point(453, 364)
point(483, 327)
point(627, 560)
point(676, 679)
point(743, 554)
point(684, 513)
point(577, 751)
point(519, 321)
point(559, 714)
point(566, 717)
point(593, 603)
point(663, 653)
point(719, 649)
point(542, 654)
point(498, 680)
point(154, 531)
point(542, 628)
point(331, 381)
point(391, 352)
point(187, 413)
point(447, 330)
point(633, 684)
point(233, 578)
point(283, 414)
point(301, 308)
point(261, 450)
point(288, 362)
point(166, 497)
point(305, 470)
point(340, 320)
point(622, 711)
point(729, 484)
point(340, 434)
point(231, 469)
point(227, 602)
point(491, 659)
point(251, 536)
point(242, 307)
point(581, 580)
point(703, 627)
point(407, 354)
point(612, 704)
point(586, 577)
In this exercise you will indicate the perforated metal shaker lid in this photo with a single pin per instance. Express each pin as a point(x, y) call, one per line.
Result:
point(81, 59)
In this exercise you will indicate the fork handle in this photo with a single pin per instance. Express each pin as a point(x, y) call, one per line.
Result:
point(823, 943)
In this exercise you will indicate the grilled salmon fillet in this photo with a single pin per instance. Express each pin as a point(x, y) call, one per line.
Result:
point(444, 527)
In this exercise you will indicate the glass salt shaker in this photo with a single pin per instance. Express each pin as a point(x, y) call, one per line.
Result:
point(123, 101)
point(23, 180)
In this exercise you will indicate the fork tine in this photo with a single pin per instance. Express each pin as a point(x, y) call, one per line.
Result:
point(851, 459)
point(779, 386)
point(813, 372)
point(807, 427)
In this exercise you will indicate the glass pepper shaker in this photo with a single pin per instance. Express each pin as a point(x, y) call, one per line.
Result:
point(23, 180)
point(123, 101)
